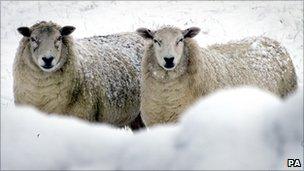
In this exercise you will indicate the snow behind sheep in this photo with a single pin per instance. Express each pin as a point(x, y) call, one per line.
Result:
point(254, 131)
point(220, 21)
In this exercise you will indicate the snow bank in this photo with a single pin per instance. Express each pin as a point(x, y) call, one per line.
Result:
point(243, 128)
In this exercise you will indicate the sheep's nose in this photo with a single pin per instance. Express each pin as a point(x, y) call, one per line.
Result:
point(169, 62)
point(47, 61)
point(169, 59)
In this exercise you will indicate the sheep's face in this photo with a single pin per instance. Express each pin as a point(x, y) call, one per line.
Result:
point(168, 44)
point(46, 45)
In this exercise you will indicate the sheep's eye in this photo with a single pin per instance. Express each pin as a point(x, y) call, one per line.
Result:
point(33, 39)
point(34, 43)
point(59, 38)
point(180, 40)
point(156, 41)
point(57, 43)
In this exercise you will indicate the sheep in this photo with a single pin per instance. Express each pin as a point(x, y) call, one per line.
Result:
point(95, 78)
point(176, 71)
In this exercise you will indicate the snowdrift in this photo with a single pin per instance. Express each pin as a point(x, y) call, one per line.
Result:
point(242, 128)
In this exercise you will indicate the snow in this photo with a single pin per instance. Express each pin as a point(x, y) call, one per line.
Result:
point(254, 131)
point(234, 129)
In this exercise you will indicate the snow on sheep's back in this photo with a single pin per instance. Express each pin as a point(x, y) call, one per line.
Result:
point(223, 131)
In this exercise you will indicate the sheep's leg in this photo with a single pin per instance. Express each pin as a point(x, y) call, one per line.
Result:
point(137, 123)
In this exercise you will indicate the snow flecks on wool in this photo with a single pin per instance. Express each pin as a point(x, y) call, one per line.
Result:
point(119, 64)
point(269, 63)
point(113, 64)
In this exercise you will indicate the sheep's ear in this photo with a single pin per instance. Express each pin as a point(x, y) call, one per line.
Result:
point(67, 30)
point(191, 32)
point(145, 33)
point(25, 31)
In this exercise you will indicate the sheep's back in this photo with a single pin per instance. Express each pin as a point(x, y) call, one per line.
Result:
point(111, 66)
point(257, 61)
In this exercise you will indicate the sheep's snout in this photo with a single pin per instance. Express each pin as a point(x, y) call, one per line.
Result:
point(47, 62)
point(169, 63)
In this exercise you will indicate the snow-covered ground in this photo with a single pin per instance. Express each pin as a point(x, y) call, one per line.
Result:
point(236, 129)
point(253, 131)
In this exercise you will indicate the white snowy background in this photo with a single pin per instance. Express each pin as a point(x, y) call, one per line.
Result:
point(244, 128)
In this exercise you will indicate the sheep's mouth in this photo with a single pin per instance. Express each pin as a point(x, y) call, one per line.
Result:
point(169, 66)
point(47, 66)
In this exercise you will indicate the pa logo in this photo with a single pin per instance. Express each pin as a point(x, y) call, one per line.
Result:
point(293, 163)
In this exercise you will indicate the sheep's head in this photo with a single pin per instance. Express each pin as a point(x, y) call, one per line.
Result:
point(168, 44)
point(45, 41)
